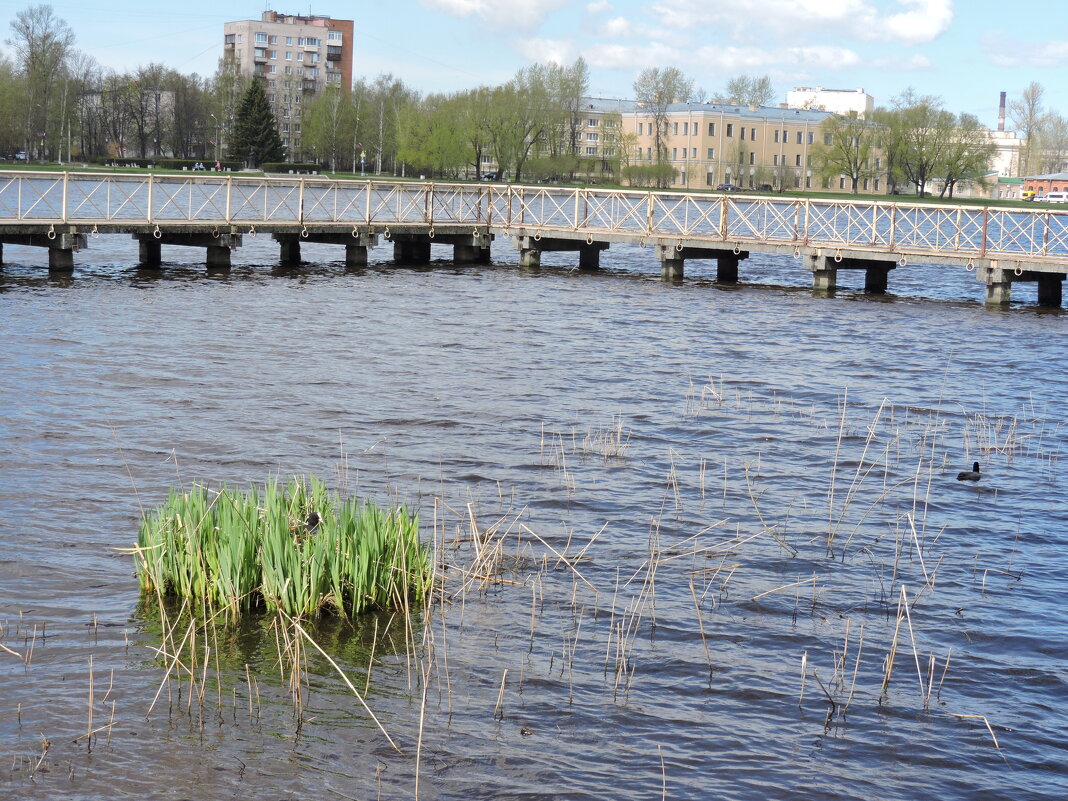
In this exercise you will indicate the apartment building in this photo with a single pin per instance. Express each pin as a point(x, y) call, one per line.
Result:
point(709, 144)
point(296, 56)
point(837, 101)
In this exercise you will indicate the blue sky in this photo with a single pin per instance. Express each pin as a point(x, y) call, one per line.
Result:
point(964, 51)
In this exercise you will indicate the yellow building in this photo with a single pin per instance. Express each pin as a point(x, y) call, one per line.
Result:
point(712, 144)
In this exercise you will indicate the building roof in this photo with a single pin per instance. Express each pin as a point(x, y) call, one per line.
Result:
point(1053, 176)
point(814, 116)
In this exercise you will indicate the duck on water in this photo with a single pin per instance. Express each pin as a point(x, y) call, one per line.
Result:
point(969, 475)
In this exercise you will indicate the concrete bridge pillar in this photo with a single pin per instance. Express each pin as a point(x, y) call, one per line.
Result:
point(355, 255)
point(1050, 290)
point(824, 276)
point(218, 257)
point(60, 260)
point(530, 258)
point(875, 278)
point(590, 257)
point(415, 250)
point(672, 269)
point(470, 254)
point(727, 268)
point(289, 248)
point(998, 284)
point(149, 253)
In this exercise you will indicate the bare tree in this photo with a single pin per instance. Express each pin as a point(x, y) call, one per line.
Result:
point(748, 90)
point(1026, 114)
point(656, 89)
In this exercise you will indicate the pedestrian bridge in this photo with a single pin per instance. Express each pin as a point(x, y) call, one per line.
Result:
point(1001, 246)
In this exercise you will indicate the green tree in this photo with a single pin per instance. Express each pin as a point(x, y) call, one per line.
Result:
point(850, 150)
point(42, 44)
point(967, 154)
point(256, 138)
point(328, 123)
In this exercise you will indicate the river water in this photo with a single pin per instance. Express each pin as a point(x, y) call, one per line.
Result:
point(711, 515)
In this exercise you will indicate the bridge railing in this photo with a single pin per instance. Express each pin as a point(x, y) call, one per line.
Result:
point(1039, 233)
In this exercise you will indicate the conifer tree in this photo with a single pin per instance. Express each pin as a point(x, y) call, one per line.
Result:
point(256, 138)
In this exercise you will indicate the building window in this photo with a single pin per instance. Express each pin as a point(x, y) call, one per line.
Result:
point(730, 129)
point(289, 41)
point(752, 157)
point(261, 38)
point(289, 70)
point(878, 162)
point(797, 182)
point(798, 137)
point(591, 151)
point(334, 36)
point(741, 134)
point(640, 129)
point(865, 184)
point(273, 54)
point(270, 98)
point(289, 56)
point(827, 139)
point(592, 137)
point(684, 154)
point(674, 153)
point(711, 153)
point(711, 129)
point(776, 136)
point(841, 182)
point(686, 129)
point(648, 154)
point(272, 68)
point(752, 134)
point(311, 41)
point(272, 40)
point(675, 129)
point(693, 152)
point(808, 182)
point(797, 160)
point(300, 70)
point(609, 151)
point(230, 39)
point(876, 184)
point(592, 123)
point(810, 135)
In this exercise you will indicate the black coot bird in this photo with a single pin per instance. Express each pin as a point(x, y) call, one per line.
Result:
point(969, 475)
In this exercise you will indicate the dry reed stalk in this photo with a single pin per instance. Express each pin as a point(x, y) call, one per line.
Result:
point(768, 529)
point(560, 556)
point(89, 732)
point(786, 587)
point(663, 774)
point(843, 403)
point(498, 710)
point(989, 728)
point(345, 678)
point(13, 653)
point(945, 669)
point(701, 627)
point(915, 652)
point(804, 673)
point(889, 661)
point(422, 718)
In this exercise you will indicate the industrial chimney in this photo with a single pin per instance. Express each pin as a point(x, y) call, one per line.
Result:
point(1001, 113)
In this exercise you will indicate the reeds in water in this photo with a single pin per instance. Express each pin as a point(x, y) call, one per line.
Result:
point(293, 547)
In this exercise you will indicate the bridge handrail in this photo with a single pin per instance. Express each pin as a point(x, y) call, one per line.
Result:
point(734, 220)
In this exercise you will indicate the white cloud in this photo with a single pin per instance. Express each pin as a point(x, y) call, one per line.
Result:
point(905, 21)
point(598, 7)
point(617, 28)
point(521, 14)
point(1042, 55)
point(547, 50)
point(914, 63)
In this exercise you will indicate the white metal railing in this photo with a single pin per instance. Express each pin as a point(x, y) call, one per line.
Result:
point(1039, 233)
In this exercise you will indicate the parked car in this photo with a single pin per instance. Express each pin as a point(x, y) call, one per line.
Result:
point(729, 188)
point(20, 156)
point(765, 188)
point(1055, 197)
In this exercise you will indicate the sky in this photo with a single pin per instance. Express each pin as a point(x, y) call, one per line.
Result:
point(963, 51)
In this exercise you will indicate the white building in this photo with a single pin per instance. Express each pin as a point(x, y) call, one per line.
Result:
point(837, 101)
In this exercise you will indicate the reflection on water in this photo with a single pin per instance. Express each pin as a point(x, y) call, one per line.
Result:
point(785, 505)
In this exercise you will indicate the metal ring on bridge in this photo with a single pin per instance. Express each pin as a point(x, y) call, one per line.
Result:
point(589, 239)
point(797, 253)
point(903, 262)
point(737, 249)
point(355, 232)
point(51, 232)
point(970, 266)
point(95, 234)
point(838, 255)
point(474, 232)
point(678, 246)
point(641, 241)
point(385, 234)
point(431, 232)
point(252, 231)
point(1018, 271)
point(215, 232)
point(158, 234)
point(304, 232)
point(537, 236)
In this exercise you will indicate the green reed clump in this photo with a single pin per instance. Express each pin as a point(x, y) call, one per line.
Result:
point(295, 547)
